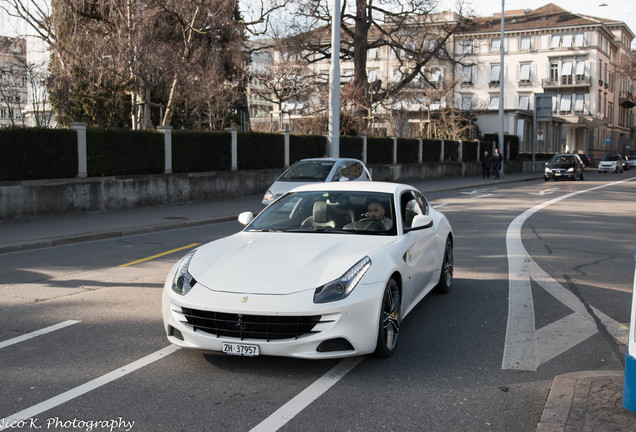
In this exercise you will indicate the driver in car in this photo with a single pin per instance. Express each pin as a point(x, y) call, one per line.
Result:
point(376, 210)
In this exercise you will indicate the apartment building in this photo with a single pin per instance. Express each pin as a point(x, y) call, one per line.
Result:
point(13, 80)
point(584, 62)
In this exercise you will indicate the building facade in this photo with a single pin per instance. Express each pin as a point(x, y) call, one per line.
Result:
point(13, 80)
point(584, 63)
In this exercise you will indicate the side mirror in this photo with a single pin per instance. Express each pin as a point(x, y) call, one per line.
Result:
point(245, 218)
point(420, 222)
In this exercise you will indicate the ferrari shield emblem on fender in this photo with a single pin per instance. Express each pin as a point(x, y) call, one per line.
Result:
point(244, 299)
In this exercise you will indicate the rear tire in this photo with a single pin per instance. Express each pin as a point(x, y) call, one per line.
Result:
point(446, 278)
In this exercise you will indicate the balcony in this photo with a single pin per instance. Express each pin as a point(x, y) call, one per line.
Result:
point(627, 99)
point(567, 82)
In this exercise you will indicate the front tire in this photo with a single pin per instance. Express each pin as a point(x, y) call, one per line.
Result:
point(446, 278)
point(390, 317)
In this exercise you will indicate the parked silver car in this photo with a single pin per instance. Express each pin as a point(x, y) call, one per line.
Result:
point(321, 170)
point(612, 162)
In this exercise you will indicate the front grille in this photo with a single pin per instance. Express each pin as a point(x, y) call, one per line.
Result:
point(261, 327)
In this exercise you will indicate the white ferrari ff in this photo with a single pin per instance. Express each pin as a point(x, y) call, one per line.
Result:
point(326, 271)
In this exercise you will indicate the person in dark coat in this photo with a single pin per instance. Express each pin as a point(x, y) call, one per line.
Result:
point(486, 164)
point(497, 161)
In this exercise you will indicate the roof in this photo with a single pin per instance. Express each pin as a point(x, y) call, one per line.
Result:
point(548, 16)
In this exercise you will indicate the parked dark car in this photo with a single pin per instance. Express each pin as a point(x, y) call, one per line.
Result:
point(612, 162)
point(585, 159)
point(564, 166)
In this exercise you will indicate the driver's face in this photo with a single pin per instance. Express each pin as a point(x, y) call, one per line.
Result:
point(376, 211)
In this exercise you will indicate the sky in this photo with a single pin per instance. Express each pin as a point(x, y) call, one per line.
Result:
point(620, 10)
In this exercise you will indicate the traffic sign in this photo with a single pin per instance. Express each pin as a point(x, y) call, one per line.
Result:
point(607, 140)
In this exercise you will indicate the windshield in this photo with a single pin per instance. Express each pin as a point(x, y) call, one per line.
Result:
point(314, 170)
point(345, 212)
point(562, 159)
point(611, 157)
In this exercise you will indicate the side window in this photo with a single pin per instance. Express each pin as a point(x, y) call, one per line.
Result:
point(422, 202)
point(355, 169)
point(342, 172)
point(410, 208)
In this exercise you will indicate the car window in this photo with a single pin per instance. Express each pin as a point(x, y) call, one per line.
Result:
point(343, 173)
point(316, 170)
point(411, 206)
point(343, 212)
point(356, 170)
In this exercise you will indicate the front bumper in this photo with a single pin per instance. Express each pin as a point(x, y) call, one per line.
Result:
point(354, 319)
point(560, 175)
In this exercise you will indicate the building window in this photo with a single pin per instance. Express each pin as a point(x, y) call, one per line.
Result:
point(494, 102)
point(556, 41)
point(579, 103)
point(580, 70)
point(524, 102)
point(347, 75)
point(372, 53)
point(554, 72)
point(465, 47)
point(567, 41)
point(372, 75)
point(566, 72)
point(495, 45)
point(524, 73)
point(467, 103)
point(494, 74)
point(578, 40)
point(525, 43)
point(566, 103)
point(467, 75)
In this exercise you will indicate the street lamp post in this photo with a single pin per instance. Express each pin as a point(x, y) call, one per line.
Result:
point(501, 84)
point(333, 149)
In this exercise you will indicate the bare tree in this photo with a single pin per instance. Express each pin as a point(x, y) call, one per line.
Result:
point(408, 29)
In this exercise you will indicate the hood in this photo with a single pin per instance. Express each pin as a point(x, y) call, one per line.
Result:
point(279, 263)
point(564, 165)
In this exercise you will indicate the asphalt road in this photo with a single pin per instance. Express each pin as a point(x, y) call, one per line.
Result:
point(481, 357)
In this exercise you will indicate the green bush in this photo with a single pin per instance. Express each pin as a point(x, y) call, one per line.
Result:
point(407, 150)
point(431, 150)
point(37, 153)
point(306, 146)
point(379, 150)
point(258, 150)
point(201, 151)
point(351, 147)
point(111, 152)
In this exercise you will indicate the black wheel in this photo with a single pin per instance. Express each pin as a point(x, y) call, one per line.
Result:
point(369, 224)
point(390, 317)
point(446, 278)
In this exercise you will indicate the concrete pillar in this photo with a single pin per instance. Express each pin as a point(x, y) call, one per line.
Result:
point(364, 149)
point(286, 135)
point(420, 150)
point(234, 133)
point(441, 153)
point(460, 151)
point(394, 151)
point(167, 145)
point(80, 129)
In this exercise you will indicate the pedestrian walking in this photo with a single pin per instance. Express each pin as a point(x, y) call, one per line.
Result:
point(486, 165)
point(497, 163)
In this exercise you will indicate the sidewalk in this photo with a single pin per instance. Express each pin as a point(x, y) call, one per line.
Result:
point(581, 401)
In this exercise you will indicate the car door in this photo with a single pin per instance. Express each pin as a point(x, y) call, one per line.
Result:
point(419, 250)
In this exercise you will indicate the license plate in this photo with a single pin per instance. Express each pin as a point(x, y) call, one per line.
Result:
point(240, 349)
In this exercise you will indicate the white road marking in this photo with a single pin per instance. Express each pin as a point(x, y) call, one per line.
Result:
point(85, 388)
point(545, 192)
point(302, 400)
point(482, 196)
point(40, 332)
point(477, 191)
point(439, 205)
point(527, 348)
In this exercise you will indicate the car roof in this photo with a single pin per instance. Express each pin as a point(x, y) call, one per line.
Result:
point(385, 187)
point(328, 159)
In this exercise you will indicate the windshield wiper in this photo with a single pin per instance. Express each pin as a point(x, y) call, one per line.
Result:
point(320, 230)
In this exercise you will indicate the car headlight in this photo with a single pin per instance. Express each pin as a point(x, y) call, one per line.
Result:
point(269, 196)
point(571, 169)
point(548, 170)
point(342, 287)
point(183, 281)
